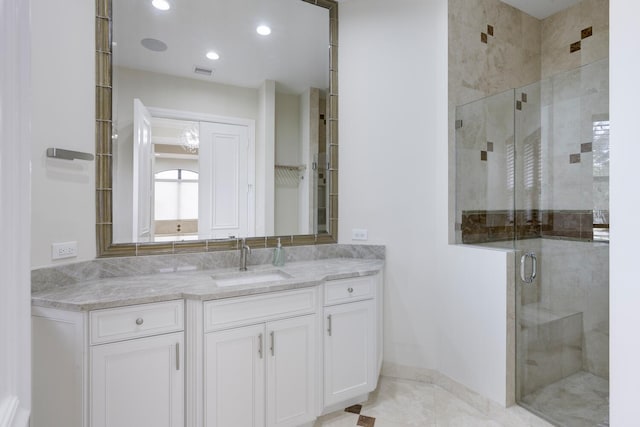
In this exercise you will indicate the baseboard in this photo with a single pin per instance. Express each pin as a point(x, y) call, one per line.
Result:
point(481, 403)
point(433, 376)
point(11, 414)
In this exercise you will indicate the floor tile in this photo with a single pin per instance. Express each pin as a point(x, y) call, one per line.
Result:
point(337, 419)
point(406, 402)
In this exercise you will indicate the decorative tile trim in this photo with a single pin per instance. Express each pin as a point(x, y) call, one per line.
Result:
point(587, 32)
point(574, 158)
point(574, 47)
point(504, 225)
point(587, 147)
point(484, 36)
point(483, 156)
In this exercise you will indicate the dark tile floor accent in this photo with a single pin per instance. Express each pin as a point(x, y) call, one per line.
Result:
point(355, 409)
point(365, 421)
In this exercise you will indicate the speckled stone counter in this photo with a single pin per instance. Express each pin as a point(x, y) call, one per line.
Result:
point(96, 285)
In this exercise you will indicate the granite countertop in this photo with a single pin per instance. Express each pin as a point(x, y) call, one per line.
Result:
point(196, 285)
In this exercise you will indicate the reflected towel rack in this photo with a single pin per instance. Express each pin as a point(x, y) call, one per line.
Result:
point(289, 176)
point(59, 153)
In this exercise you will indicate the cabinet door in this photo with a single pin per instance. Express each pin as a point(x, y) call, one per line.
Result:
point(291, 371)
point(138, 382)
point(349, 351)
point(234, 377)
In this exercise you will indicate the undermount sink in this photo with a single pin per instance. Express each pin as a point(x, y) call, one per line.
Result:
point(249, 277)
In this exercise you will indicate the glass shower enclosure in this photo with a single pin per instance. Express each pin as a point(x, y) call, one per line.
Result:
point(533, 177)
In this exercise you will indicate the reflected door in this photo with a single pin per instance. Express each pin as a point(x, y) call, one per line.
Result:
point(142, 174)
point(225, 190)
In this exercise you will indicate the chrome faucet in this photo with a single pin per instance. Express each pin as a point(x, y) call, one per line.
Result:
point(245, 251)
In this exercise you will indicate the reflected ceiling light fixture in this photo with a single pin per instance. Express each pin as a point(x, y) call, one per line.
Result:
point(213, 55)
point(161, 4)
point(263, 30)
point(190, 139)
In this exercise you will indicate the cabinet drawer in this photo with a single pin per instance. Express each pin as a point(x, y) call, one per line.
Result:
point(347, 290)
point(136, 321)
point(232, 312)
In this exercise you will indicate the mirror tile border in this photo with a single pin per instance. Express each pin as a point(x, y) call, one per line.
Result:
point(104, 190)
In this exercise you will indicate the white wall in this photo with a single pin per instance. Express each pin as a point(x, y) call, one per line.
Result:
point(15, 146)
point(442, 303)
point(265, 149)
point(625, 201)
point(392, 114)
point(288, 146)
point(63, 116)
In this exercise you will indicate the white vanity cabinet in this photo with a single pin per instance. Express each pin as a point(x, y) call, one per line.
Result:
point(264, 373)
point(138, 381)
point(351, 339)
point(278, 358)
point(118, 367)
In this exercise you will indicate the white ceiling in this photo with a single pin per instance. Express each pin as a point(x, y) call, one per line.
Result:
point(295, 55)
point(541, 8)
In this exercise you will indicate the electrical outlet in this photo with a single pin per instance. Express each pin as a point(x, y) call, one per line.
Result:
point(64, 250)
point(359, 234)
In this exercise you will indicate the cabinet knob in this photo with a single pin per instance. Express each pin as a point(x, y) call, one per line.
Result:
point(139, 321)
point(350, 290)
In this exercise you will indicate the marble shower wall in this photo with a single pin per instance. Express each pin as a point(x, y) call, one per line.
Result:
point(574, 37)
point(575, 140)
point(495, 47)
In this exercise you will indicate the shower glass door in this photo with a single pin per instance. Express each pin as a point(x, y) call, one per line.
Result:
point(561, 239)
point(533, 176)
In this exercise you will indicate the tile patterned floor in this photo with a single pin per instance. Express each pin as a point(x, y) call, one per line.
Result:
point(405, 403)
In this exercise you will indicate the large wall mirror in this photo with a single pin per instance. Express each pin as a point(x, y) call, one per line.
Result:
point(209, 130)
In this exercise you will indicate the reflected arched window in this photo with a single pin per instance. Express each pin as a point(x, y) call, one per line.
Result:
point(176, 194)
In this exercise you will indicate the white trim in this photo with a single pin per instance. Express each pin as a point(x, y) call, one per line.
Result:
point(11, 414)
point(15, 231)
point(168, 113)
point(8, 409)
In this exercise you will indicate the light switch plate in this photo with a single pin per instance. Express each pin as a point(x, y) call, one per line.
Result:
point(359, 234)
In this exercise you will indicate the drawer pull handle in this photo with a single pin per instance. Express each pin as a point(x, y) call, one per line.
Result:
point(177, 356)
point(139, 321)
point(329, 324)
point(273, 345)
point(260, 345)
point(350, 290)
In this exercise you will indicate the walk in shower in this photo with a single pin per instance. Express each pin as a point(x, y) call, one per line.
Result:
point(532, 176)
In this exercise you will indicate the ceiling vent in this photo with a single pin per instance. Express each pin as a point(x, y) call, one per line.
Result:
point(203, 71)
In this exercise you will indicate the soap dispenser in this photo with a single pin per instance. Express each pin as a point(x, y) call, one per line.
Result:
point(278, 255)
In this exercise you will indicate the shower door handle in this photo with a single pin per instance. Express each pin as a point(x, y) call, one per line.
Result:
point(534, 267)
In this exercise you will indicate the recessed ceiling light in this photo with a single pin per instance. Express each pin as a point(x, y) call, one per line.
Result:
point(154, 45)
point(161, 4)
point(212, 55)
point(263, 30)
